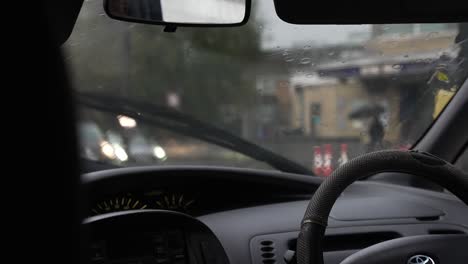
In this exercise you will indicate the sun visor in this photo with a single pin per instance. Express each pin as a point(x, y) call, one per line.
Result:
point(371, 11)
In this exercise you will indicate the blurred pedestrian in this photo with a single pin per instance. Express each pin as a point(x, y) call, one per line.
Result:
point(376, 134)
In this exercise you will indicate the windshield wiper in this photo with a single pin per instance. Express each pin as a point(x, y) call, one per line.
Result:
point(170, 119)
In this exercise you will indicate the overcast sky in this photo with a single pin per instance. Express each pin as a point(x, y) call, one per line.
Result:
point(285, 35)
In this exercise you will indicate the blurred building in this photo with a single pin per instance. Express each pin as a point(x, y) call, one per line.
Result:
point(321, 105)
point(310, 93)
point(273, 103)
point(393, 70)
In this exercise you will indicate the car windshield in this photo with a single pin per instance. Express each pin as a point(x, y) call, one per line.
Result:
point(312, 95)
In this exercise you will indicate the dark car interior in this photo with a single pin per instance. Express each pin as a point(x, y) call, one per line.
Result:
point(410, 209)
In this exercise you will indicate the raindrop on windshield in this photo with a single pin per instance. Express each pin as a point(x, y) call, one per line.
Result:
point(288, 59)
point(393, 43)
point(310, 75)
point(307, 47)
point(306, 60)
point(406, 56)
point(396, 66)
point(331, 53)
point(432, 35)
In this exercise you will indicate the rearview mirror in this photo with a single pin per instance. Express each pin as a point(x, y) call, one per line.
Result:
point(180, 12)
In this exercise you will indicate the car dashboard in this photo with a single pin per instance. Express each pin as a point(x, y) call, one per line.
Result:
point(192, 190)
point(254, 216)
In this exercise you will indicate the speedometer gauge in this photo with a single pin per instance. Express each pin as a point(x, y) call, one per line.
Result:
point(117, 204)
point(174, 202)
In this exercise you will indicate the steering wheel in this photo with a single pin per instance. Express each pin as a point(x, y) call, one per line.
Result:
point(425, 249)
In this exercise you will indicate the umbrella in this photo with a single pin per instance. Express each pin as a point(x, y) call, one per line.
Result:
point(366, 111)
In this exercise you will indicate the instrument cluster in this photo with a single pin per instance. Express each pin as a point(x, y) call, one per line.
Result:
point(155, 199)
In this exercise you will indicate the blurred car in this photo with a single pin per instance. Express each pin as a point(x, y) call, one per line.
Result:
point(143, 151)
point(94, 145)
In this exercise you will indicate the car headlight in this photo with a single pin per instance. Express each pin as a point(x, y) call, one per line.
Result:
point(126, 122)
point(120, 153)
point(159, 152)
point(107, 150)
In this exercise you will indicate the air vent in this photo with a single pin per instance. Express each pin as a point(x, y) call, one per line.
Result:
point(267, 248)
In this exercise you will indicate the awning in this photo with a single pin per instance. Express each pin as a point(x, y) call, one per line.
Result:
point(381, 66)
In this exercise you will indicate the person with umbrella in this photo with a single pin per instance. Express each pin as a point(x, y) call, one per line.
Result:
point(376, 129)
point(376, 134)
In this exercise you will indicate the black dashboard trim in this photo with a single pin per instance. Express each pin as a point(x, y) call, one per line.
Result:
point(266, 175)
